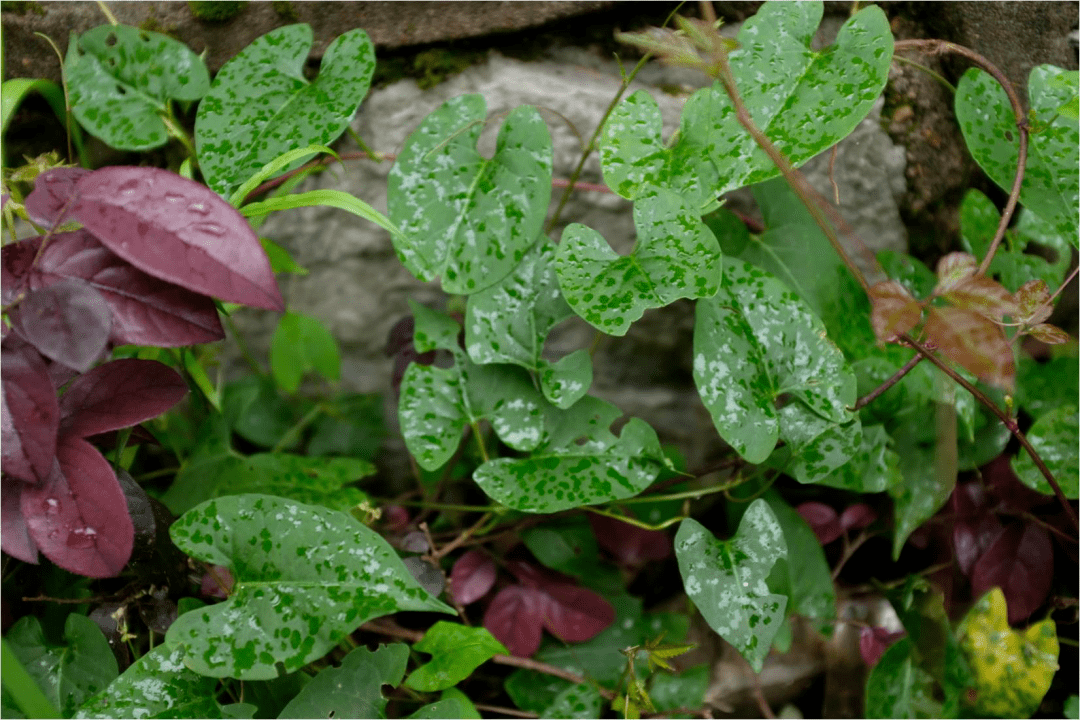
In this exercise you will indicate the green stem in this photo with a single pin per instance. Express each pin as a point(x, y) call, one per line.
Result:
point(436, 506)
point(377, 157)
point(688, 494)
point(948, 85)
point(178, 132)
point(294, 432)
point(26, 693)
point(479, 440)
point(634, 521)
point(107, 13)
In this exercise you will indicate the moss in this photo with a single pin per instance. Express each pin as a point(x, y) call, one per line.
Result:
point(215, 11)
point(19, 7)
point(285, 10)
point(152, 24)
point(428, 68)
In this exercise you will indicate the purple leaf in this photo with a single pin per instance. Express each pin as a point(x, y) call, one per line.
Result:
point(857, 516)
point(179, 231)
point(217, 581)
point(515, 617)
point(16, 261)
point(822, 519)
point(16, 538)
point(30, 415)
point(119, 394)
point(576, 614)
point(874, 641)
point(145, 310)
point(1013, 495)
point(53, 191)
point(67, 321)
point(629, 544)
point(975, 526)
point(1021, 562)
point(79, 517)
point(472, 577)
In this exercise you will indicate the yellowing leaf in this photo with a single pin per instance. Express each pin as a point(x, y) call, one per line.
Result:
point(974, 343)
point(1012, 670)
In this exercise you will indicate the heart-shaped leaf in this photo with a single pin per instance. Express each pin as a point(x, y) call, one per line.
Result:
point(676, 256)
point(580, 463)
point(1020, 561)
point(310, 577)
point(725, 579)
point(1051, 188)
point(30, 414)
point(177, 230)
point(353, 690)
point(897, 687)
point(874, 466)
point(261, 106)
point(456, 651)
point(803, 100)
point(472, 576)
point(464, 217)
point(923, 491)
point(509, 321)
point(157, 685)
point(1054, 437)
point(754, 341)
point(119, 394)
point(120, 80)
point(67, 321)
point(1012, 670)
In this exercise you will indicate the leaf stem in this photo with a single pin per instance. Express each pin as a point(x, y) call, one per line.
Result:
point(686, 495)
point(480, 440)
point(880, 389)
point(107, 13)
point(948, 85)
point(178, 132)
point(293, 433)
point(634, 521)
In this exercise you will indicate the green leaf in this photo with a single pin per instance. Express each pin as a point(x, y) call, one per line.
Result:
point(120, 80)
point(1054, 437)
point(566, 545)
point(1072, 707)
point(437, 403)
point(302, 343)
point(875, 466)
point(1041, 387)
point(1051, 185)
point(261, 106)
point(68, 673)
point(898, 688)
point(305, 578)
point(271, 696)
point(1011, 265)
point(21, 696)
point(755, 341)
point(581, 462)
point(452, 703)
point(815, 449)
point(803, 100)
point(255, 411)
point(1013, 669)
point(509, 321)
point(534, 691)
point(157, 685)
point(465, 218)
point(676, 256)
point(725, 579)
point(276, 165)
point(353, 690)
point(280, 259)
point(909, 271)
point(808, 581)
point(576, 701)
point(456, 651)
point(922, 492)
point(686, 689)
point(351, 425)
point(15, 90)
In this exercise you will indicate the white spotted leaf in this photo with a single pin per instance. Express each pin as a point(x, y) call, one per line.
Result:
point(725, 579)
point(676, 256)
point(509, 321)
point(466, 218)
point(754, 341)
point(305, 577)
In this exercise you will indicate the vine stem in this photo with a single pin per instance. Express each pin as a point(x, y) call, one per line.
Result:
point(940, 47)
point(879, 390)
point(1009, 423)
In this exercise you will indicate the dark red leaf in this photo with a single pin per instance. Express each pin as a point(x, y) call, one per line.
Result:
point(472, 577)
point(177, 230)
point(857, 516)
point(975, 526)
point(145, 310)
point(29, 414)
point(1012, 495)
point(629, 544)
point(53, 190)
point(119, 394)
point(515, 617)
point(530, 575)
point(576, 614)
point(217, 581)
point(396, 518)
point(16, 259)
point(1021, 562)
point(79, 517)
point(16, 538)
point(874, 641)
point(67, 321)
point(822, 519)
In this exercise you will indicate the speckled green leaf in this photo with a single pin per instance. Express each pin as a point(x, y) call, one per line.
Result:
point(157, 685)
point(69, 673)
point(725, 579)
point(923, 492)
point(353, 690)
point(452, 705)
point(305, 577)
point(302, 343)
point(898, 688)
point(580, 462)
point(804, 100)
point(676, 256)
point(754, 341)
point(456, 651)
point(1012, 266)
point(437, 403)
point(1051, 185)
point(120, 79)
point(816, 449)
point(261, 106)
point(1013, 669)
point(466, 218)
point(509, 321)
point(1054, 437)
point(875, 467)
point(577, 701)
point(1043, 386)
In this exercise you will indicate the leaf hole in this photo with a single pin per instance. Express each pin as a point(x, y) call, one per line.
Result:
point(120, 89)
point(111, 40)
point(144, 37)
point(1008, 135)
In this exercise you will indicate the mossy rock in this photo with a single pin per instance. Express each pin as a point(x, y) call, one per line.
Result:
point(215, 11)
